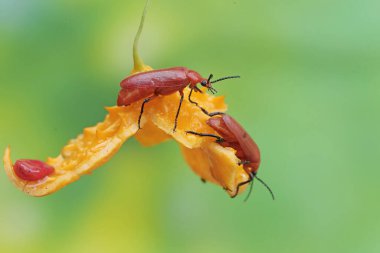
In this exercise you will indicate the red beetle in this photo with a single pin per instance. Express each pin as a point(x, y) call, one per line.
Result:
point(32, 170)
point(148, 85)
point(233, 135)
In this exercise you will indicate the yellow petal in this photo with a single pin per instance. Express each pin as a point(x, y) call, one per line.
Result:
point(99, 143)
point(150, 135)
point(162, 111)
point(82, 155)
point(216, 164)
point(209, 160)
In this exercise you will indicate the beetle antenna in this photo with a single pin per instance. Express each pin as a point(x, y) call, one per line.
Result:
point(261, 181)
point(224, 78)
point(209, 78)
point(138, 62)
point(250, 187)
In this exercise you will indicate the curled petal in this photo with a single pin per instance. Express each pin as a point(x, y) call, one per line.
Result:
point(97, 144)
point(82, 155)
point(216, 164)
point(209, 160)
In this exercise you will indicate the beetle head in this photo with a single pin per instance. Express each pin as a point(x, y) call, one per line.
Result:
point(207, 83)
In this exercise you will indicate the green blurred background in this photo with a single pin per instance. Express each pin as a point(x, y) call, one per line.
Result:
point(309, 95)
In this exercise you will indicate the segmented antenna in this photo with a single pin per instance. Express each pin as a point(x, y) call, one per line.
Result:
point(138, 62)
point(261, 181)
point(251, 186)
point(224, 78)
point(209, 78)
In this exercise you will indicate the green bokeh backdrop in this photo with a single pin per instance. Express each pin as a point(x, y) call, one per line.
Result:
point(309, 95)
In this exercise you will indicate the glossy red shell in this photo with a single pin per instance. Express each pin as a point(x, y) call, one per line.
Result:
point(164, 78)
point(156, 82)
point(237, 138)
point(32, 170)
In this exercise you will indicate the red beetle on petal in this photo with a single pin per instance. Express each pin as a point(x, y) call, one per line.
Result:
point(233, 135)
point(162, 82)
point(151, 84)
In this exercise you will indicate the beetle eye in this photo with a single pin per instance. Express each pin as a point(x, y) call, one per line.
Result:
point(204, 83)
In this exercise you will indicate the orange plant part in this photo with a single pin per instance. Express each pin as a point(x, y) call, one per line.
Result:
point(216, 164)
point(82, 155)
point(96, 145)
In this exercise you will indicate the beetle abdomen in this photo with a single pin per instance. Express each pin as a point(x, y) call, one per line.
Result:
point(247, 145)
point(129, 96)
point(237, 138)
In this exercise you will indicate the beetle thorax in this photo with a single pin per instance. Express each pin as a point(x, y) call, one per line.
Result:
point(194, 78)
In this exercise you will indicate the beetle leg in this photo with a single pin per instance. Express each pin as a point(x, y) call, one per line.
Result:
point(243, 183)
point(179, 108)
point(212, 114)
point(197, 89)
point(218, 138)
point(251, 177)
point(142, 108)
point(191, 101)
point(203, 109)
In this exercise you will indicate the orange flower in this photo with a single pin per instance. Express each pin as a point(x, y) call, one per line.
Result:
point(97, 144)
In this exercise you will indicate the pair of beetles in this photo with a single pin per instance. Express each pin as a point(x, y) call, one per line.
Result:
point(149, 85)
